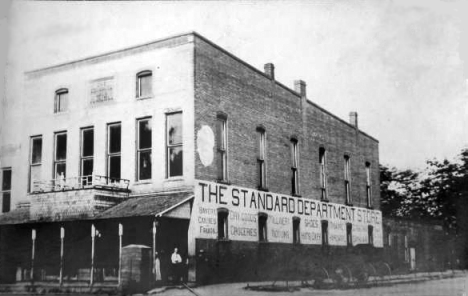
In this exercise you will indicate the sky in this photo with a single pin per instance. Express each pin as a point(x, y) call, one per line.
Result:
point(402, 65)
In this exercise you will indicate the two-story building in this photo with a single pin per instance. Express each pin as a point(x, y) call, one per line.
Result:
point(179, 143)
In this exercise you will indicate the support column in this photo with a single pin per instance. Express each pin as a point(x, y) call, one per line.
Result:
point(93, 235)
point(153, 255)
point(120, 250)
point(62, 236)
point(33, 253)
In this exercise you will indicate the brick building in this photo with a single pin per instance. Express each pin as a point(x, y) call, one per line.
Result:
point(178, 143)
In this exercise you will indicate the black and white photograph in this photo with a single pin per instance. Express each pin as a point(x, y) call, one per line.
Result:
point(180, 148)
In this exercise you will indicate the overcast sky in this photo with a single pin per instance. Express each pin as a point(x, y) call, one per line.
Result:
point(401, 65)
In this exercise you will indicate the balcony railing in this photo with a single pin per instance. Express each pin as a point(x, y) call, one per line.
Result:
point(81, 182)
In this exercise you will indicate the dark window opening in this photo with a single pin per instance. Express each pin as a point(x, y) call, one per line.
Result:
point(294, 168)
point(222, 148)
point(370, 231)
point(349, 234)
point(6, 190)
point(114, 150)
point(60, 155)
point(174, 144)
point(347, 180)
point(144, 84)
point(262, 227)
point(368, 185)
point(35, 162)
point(223, 223)
point(87, 152)
point(323, 173)
point(261, 159)
point(296, 230)
point(324, 233)
point(144, 146)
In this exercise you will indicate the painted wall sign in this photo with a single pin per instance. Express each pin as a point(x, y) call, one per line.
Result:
point(101, 90)
point(244, 205)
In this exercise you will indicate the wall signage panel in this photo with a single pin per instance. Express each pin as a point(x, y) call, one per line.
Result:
point(244, 205)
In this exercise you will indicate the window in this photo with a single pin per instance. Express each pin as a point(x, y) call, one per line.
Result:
point(35, 161)
point(61, 100)
point(223, 223)
point(114, 148)
point(346, 180)
point(323, 173)
point(296, 230)
point(174, 144)
point(349, 234)
point(6, 190)
point(294, 177)
point(144, 145)
point(324, 233)
point(262, 227)
point(144, 86)
point(87, 152)
point(222, 147)
point(60, 156)
point(261, 158)
point(370, 232)
point(368, 185)
point(406, 249)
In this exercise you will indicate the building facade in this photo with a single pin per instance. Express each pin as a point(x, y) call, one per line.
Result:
point(178, 143)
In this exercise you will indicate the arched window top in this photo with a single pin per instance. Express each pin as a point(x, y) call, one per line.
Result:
point(144, 84)
point(260, 128)
point(61, 91)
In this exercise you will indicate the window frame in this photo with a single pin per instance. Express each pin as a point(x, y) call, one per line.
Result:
point(139, 76)
point(261, 158)
point(60, 105)
point(224, 214)
point(347, 179)
point(6, 190)
point(60, 161)
point(222, 147)
point(109, 154)
point(368, 185)
point(172, 146)
point(33, 164)
point(295, 166)
point(140, 150)
point(323, 174)
point(83, 157)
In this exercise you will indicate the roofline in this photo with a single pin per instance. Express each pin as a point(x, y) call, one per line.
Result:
point(109, 53)
point(174, 206)
point(279, 84)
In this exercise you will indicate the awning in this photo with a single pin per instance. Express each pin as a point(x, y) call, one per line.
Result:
point(164, 204)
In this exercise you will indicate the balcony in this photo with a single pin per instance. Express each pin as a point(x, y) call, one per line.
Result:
point(81, 197)
point(81, 182)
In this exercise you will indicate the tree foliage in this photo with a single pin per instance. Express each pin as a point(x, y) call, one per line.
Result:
point(439, 192)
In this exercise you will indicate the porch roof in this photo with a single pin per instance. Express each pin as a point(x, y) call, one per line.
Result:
point(148, 205)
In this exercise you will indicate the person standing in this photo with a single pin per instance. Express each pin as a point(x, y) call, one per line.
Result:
point(176, 262)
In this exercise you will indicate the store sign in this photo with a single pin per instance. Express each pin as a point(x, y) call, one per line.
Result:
point(101, 90)
point(244, 205)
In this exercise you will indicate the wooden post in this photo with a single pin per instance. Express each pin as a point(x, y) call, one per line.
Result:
point(33, 251)
point(120, 249)
point(62, 236)
point(153, 256)
point(93, 234)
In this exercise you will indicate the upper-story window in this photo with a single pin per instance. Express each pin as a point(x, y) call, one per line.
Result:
point(347, 179)
point(114, 149)
point(174, 144)
point(294, 167)
point(87, 152)
point(60, 155)
point(261, 163)
point(144, 84)
point(35, 161)
point(222, 147)
point(61, 100)
point(368, 185)
point(6, 189)
point(144, 148)
point(323, 173)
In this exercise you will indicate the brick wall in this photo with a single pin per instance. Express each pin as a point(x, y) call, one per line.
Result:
point(250, 99)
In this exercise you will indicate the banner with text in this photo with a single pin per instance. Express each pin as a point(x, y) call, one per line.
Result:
point(244, 205)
